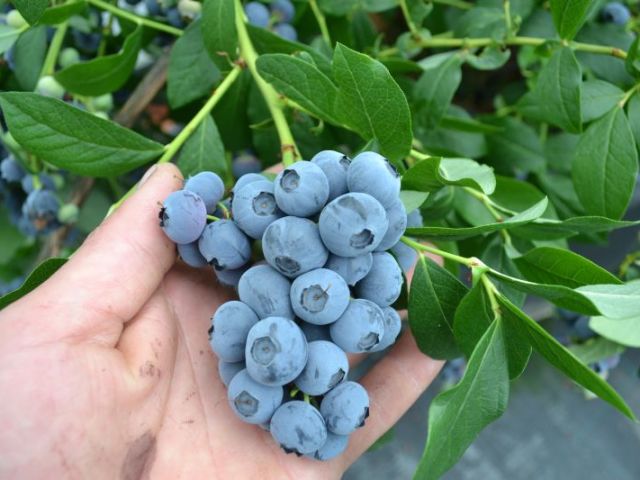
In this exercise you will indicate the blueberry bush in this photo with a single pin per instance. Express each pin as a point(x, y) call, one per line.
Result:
point(497, 135)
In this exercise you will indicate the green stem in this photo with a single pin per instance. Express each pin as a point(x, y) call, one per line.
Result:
point(507, 14)
point(469, 262)
point(118, 12)
point(628, 94)
point(213, 218)
point(491, 290)
point(455, 3)
point(288, 146)
point(407, 17)
point(322, 21)
point(225, 210)
point(49, 66)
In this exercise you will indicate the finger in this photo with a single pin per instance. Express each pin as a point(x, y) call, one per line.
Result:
point(115, 271)
point(393, 385)
point(149, 341)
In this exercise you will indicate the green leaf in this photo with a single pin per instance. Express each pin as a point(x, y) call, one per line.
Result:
point(495, 256)
point(561, 267)
point(302, 82)
point(614, 301)
point(10, 238)
point(419, 10)
point(550, 229)
point(219, 32)
point(204, 151)
point(633, 113)
point(59, 13)
point(598, 98)
point(28, 55)
point(451, 233)
point(605, 166)
point(625, 331)
point(412, 199)
point(457, 416)
point(433, 298)
point(360, 104)
point(103, 74)
point(568, 16)
point(491, 58)
point(556, 96)
point(434, 172)
point(563, 359)
point(31, 10)
point(386, 438)
point(517, 147)
point(472, 319)
point(191, 73)
point(632, 62)
point(434, 90)
point(72, 139)
point(338, 7)
point(595, 349)
point(41, 273)
point(481, 22)
point(468, 125)
point(8, 36)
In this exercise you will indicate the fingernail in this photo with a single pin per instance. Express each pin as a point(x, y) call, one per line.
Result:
point(147, 175)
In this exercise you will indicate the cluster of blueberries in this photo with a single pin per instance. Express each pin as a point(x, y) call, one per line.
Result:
point(325, 288)
point(616, 13)
point(176, 12)
point(277, 17)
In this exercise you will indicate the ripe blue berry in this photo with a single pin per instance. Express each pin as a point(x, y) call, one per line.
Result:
point(405, 256)
point(254, 208)
point(183, 216)
point(208, 186)
point(230, 278)
point(228, 370)
point(11, 171)
point(293, 246)
point(351, 269)
point(414, 218)
point(383, 284)
point(246, 179)
point(345, 408)
point(224, 245)
point(257, 14)
point(315, 332)
point(41, 207)
point(231, 325)
point(298, 427)
point(360, 328)
point(397, 217)
point(251, 401)
point(334, 165)
point(392, 327)
point(334, 446)
point(616, 13)
point(276, 351)
point(266, 291)
point(46, 182)
point(301, 189)
point(245, 163)
point(326, 367)
point(286, 31)
point(283, 10)
point(319, 296)
point(190, 254)
point(353, 224)
point(371, 173)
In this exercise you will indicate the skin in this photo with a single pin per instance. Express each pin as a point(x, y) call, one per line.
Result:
point(106, 371)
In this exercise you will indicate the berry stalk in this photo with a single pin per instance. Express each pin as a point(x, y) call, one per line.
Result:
point(118, 12)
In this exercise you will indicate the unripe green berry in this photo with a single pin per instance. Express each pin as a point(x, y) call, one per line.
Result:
point(103, 103)
point(68, 56)
point(68, 213)
point(15, 19)
point(189, 8)
point(103, 115)
point(49, 87)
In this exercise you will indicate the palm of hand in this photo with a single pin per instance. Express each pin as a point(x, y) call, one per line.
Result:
point(112, 375)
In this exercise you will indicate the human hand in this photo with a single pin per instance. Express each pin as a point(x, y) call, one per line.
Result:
point(106, 369)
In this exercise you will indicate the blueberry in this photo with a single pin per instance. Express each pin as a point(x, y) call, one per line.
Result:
point(397, 217)
point(14, 19)
point(46, 183)
point(68, 56)
point(231, 325)
point(334, 165)
point(351, 269)
point(251, 401)
point(257, 14)
point(371, 173)
point(345, 408)
point(183, 216)
point(334, 446)
point(133, 2)
point(245, 163)
point(326, 367)
point(230, 278)
point(360, 328)
point(286, 31)
point(104, 103)
point(414, 218)
point(405, 256)
point(293, 246)
point(383, 284)
point(190, 254)
point(616, 13)
point(224, 245)
point(581, 330)
point(153, 7)
point(276, 351)
point(49, 87)
point(319, 296)
point(208, 186)
point(266, 292)
point(189, 8)
point(254, 208)
point(301, 189)
point(174, 18)
point(283, 10)
point(353, 224)
point(392, 327)
point(86, 42)
point(315, 332)
point(11, 170)
point(41, 207)
point(298, 427)
point(228, 370)
point(246, 179)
